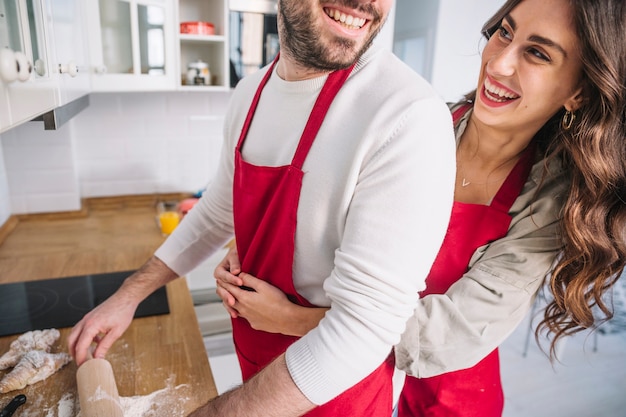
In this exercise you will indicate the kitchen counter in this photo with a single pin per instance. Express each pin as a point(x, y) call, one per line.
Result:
point(161, 358)
point(159, 362)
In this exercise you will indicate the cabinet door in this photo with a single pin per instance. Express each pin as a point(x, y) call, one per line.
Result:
point(132, 44)
point(10, 40)
point(5, 111)
point(32, 92)
point(68, 47)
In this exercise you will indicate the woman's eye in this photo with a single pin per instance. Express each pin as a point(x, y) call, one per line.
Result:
point(538, 54)
point(504, 33)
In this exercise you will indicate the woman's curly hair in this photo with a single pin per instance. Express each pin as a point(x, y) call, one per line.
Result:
point(593, 150)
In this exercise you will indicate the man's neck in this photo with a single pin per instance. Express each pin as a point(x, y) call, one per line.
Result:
point(289, 70)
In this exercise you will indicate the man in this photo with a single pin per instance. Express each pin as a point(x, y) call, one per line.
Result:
point(337, 178)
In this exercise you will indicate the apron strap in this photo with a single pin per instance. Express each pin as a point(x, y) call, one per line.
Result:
point(255, 102)
point(459, 112)
point(325, 98)
point(512, 186)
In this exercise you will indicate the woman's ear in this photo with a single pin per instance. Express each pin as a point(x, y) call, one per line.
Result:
point(575, 101)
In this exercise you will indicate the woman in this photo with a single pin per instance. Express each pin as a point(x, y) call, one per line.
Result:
point(540, 173)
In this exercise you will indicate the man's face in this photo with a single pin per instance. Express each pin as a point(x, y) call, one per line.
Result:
point(329, 35)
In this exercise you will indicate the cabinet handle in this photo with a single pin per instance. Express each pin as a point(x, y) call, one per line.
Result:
point(100, 69)
point(71, 69)
point(40, 67)
point(8, 65)
point(24, 68)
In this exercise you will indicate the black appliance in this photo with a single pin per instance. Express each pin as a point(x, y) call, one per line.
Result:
point(253, 36)
point(62, 302)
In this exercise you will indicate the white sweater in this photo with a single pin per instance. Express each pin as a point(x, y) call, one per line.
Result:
point(374, 207)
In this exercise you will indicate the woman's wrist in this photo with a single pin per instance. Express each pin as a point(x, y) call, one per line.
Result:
point(299, 320)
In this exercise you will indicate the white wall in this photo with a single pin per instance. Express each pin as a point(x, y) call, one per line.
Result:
point(40, 169)
point(139, 143)
point(149, 142)
point(456, 61)
point(385, 37)
point(414, 33)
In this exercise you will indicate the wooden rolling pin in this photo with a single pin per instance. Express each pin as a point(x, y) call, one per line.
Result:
point(97, 390)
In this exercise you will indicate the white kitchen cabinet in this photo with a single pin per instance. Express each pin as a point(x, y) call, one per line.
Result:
point(137, 45)
point(69, 55)
point(211, 49)
point(132, 44)
point(27, 90)
point(5, 109)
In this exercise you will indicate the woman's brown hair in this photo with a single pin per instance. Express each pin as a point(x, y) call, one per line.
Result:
point(593, 217)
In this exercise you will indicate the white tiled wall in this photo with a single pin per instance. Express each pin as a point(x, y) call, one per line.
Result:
point(148, 143)
point(40, 169)
point(132, 143)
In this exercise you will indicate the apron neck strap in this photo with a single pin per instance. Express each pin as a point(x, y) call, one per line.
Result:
point(254, 104)
point(512, 186)
point(331, 87)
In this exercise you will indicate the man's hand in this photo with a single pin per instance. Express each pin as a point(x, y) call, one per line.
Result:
point(108, 321)
point(102, 326)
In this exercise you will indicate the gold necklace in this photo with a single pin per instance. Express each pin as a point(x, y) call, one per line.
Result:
point(465, 182)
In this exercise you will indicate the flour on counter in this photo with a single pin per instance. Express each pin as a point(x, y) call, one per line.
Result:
point(156, 404)
point(65, 407)
point(169, 401)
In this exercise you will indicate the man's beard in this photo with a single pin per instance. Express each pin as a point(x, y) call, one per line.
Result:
point(304, 43)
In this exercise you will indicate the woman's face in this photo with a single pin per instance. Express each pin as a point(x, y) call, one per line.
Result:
point(531, 68)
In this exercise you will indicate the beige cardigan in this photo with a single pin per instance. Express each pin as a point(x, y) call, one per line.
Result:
point(457, 329)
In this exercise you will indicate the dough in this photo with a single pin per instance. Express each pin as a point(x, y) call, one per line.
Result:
point(34, 366)
point(33, 340)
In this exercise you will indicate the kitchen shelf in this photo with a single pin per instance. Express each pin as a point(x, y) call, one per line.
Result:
point(184, 37)
point(211, 49)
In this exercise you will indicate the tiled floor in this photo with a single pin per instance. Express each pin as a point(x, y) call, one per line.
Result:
point(584, 384)
point(223, 361)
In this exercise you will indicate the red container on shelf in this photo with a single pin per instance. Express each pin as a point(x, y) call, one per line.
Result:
point(197, 28)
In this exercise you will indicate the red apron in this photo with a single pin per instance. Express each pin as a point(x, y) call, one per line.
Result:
point(477, 391)
point(265, 205)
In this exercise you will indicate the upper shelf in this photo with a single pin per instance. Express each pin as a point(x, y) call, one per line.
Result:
point(186, 37)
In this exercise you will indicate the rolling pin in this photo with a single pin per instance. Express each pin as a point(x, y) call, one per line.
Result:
point(97, 390)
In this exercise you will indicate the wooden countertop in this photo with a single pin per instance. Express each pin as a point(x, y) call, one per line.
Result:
point(160, 361)
point(160, 358)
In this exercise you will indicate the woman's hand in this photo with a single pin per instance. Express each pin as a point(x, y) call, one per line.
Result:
point(226, 273)
point(265, 306)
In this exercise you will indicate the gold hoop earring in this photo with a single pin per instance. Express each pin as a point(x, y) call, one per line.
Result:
point(568, 120)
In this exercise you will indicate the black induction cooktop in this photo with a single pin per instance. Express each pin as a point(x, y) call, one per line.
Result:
point(62, 302)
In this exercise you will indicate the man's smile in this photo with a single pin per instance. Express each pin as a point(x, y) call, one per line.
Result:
point(349, 21)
